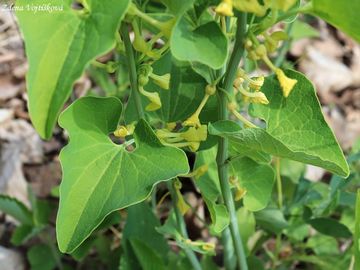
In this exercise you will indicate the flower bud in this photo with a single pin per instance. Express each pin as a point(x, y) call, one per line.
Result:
point(210, 89)
point(121, 132)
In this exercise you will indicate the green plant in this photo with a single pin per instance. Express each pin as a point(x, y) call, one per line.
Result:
point(186, 92)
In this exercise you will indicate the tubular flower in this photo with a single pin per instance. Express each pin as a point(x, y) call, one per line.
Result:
point(225, 8)
point(287, 84)
point(232, 107)
point(252, 6)
point(206, 246)
point(121, 132)
point(161, 80)
point(200, 171)
point(195, 134)
point(194, 120)
point(171, 126)
point(190, 138)
point(181, 203)
point(283, 5)
point(155, 101)
point(254, 97)
point(256, 83)
point(240, 192)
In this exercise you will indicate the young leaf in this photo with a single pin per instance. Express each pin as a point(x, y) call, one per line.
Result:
point(99, 176)
point(296, 128)
point(16, 209)
point(209, 187)
point(342, 14)
point(59, 45)
point(205, 44)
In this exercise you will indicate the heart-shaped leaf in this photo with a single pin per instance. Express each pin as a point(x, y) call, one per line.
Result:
point(205, 44)
point(99, 176)
point(296, 128)
point(59, 45)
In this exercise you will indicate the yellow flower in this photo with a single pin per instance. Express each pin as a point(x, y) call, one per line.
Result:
point(256, 83)
point(287, 84)
point(208, 246)
point(240, 193)
point(181, 203)
point(194, 134)
point(251, 6)
point(171, 126)
point(225, 8)
point(283, 5)
point(254, 97)
point(163, 81)
point(155, 101)
point(201, 171)
point(194, 146)
point(259, 98)
point(121, 132)
point(192, 121)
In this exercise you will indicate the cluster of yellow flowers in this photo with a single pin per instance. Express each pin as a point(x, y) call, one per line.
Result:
point(260, 52)
point(226, 7)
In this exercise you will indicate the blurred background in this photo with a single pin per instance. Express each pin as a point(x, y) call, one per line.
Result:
point(29, 166)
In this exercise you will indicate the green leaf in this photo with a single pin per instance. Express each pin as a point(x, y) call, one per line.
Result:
point(205, 44)
point(330, 227)
point(271, 219)
point(16, 209)
point(99, 176)
point(60, 48)
point(323, 245)
point(141, 225)
point(177, 7)
point(209, 187)
point(341, 14)
point(256, 179)
point(22, 233)
point(296, 128)
point(40, 257)
point(246, 223)
point(147, 257)
point(186, 90)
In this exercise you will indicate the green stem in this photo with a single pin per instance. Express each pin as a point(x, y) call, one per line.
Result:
point(279, 183)
point(129, 52)
point(182, 227)
point(222, 154)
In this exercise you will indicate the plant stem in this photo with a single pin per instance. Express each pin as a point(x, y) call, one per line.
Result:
point(132, 69)
point(222, 154)
point(182, 227)
point(279, 183)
